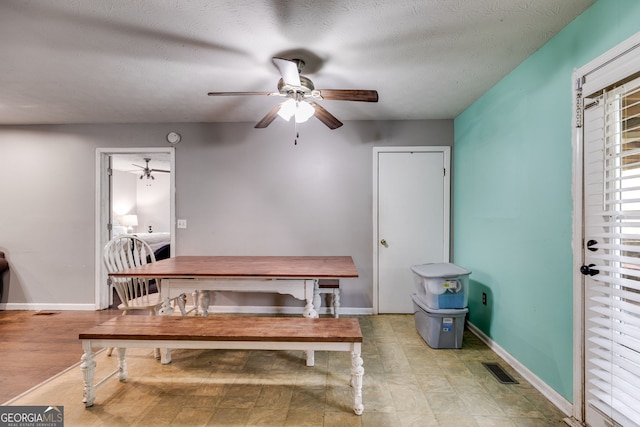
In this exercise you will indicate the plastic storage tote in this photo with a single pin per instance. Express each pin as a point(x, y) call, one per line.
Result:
point(441, 328)
point(442, 285)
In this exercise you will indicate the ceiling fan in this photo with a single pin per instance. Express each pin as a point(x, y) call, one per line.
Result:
point(302, 95)
point(146, 171)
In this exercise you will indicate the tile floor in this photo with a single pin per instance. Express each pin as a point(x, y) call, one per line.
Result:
point(406, 383)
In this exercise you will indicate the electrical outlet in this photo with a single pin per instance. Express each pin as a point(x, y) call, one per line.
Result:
point(182, 223)
point(484, 298)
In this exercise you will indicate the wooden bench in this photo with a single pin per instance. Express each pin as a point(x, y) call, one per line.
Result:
point(222, 332)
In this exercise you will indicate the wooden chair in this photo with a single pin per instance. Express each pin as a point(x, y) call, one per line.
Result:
point(135, 293)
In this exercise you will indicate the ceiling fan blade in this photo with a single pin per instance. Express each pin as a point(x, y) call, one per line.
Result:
point(271, 115)
point(326, 117)
point(159, 170)
point(241, 93)
point(138, 166)
point(288, 71)
point(349, 95)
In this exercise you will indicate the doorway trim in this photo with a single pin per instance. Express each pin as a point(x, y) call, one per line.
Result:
point(608, 72)
point(446, 150)
point(102, 211)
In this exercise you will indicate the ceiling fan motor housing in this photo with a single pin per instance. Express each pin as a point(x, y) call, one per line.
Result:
point(305, 88)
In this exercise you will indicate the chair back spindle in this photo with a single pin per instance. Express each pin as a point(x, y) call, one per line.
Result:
point(125, 252)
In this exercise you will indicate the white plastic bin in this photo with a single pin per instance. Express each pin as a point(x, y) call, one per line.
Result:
point(440, 328)
point(442, 285)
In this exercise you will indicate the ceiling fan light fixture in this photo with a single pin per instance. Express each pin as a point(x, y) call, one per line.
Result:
point(302, 110)
point(287, 109)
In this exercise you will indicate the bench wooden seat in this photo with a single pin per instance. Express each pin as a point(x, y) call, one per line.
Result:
point(222, 332)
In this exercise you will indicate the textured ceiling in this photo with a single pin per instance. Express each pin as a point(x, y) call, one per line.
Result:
point(151, 61)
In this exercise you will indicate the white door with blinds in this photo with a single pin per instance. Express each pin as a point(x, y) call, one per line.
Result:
point(611, 255)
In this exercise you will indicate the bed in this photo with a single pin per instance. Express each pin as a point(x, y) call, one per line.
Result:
point(160, 243)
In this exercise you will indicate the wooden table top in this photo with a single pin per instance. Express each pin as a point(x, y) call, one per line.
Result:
point(246, 266)
point(227, 328)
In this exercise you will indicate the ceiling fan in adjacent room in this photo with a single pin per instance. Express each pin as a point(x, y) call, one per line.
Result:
point(147, 171)
point(302, 95)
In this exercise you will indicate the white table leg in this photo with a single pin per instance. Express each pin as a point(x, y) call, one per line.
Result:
point(166, 309)
point(317, 301)
point(357, 372)
point(310, 287)
point(205, 300)
point(87, 366)
point(196, 300)
point(182, 304)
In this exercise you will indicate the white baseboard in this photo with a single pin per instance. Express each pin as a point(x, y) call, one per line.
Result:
point(353, 311)
point(230, 309)
point(561, 403)
point(48, 307)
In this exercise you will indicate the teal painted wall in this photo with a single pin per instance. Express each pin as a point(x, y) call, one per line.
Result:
point(512, 206)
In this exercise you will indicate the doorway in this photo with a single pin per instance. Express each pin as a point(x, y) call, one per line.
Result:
point(411, 219)
point(133, 196)
point(607, 217)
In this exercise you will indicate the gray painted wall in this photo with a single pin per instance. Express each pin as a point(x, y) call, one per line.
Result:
point(242, 191)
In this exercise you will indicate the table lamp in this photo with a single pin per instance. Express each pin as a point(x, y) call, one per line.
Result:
point(129, 221)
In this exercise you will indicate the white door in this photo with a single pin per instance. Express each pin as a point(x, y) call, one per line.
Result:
point(608, 291)
point(411, 219)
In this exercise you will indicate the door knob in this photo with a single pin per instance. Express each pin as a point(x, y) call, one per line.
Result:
point(589, 270)
point(383, 243)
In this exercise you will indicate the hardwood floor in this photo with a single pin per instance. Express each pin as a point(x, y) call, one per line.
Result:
point(35, 345)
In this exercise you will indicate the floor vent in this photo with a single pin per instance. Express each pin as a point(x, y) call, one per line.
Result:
point(500, 374)
point(45, 313)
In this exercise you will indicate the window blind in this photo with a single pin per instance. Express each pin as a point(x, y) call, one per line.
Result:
point(613, 296)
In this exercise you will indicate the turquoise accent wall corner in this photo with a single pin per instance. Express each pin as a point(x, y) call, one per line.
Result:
point(512, 205)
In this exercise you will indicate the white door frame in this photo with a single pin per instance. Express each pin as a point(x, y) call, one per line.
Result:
point(608, 74)
point(446, 150)
point(102, 296)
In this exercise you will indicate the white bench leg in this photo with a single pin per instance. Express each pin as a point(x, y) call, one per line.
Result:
point(335, 299)
point(122, 364)
point(165, 356)
point(335, 303)
point(357, 372)
point(87, 366)
point(311, 358)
